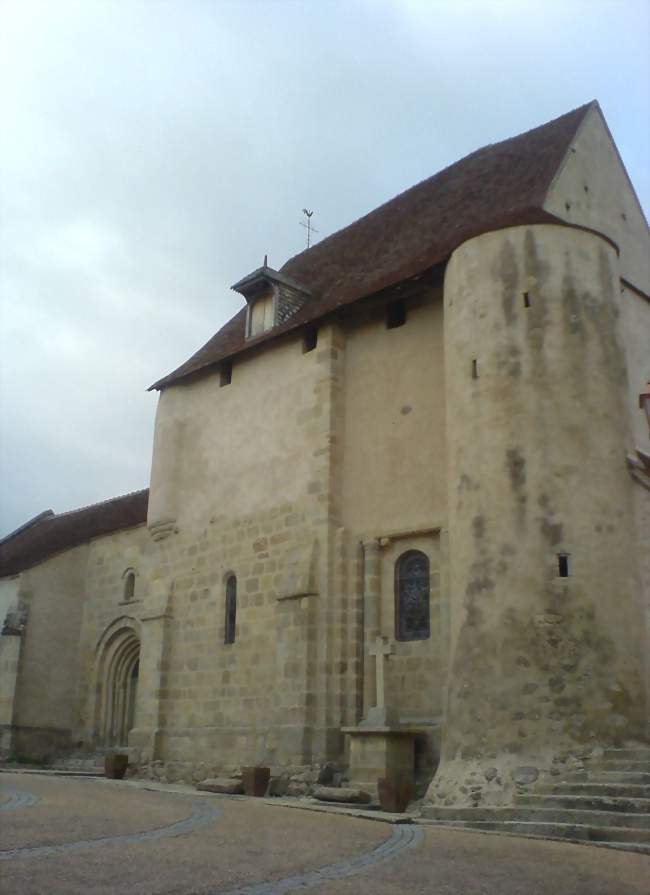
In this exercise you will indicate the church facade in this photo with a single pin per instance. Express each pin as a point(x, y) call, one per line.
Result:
point(399, 507)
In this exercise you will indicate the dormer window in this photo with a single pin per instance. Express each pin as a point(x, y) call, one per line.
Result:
point(272, 298)
point(261, 315)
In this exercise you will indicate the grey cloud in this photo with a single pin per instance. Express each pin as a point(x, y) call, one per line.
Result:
point(153, 152)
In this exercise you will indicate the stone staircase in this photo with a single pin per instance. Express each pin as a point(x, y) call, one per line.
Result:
point(607, 803)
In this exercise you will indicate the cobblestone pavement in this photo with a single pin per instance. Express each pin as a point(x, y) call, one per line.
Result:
point(67, 836)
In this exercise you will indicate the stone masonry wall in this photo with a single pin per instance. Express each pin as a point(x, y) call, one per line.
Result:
point(281, 692)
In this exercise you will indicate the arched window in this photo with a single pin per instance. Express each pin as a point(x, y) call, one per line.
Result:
point(129, 585)
point(231, 609)
point(412, 596)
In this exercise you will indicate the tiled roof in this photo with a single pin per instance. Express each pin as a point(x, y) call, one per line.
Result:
point(50, 533)
point(501, 185)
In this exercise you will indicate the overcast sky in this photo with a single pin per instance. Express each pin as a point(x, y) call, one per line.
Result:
point(152, 151)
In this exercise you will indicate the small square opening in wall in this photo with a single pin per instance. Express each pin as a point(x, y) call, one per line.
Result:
point(563, 565)
point(225, 373)
point(395, 314)
point(309, 339)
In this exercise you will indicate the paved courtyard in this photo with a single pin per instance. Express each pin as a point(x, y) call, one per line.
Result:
point(74, 835)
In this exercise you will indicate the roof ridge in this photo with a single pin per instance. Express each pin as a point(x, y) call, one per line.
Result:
point(50, 514)
point(100, 503)
point(39, 517)
point(35, 543)
point(461, 161)
point(499, 185)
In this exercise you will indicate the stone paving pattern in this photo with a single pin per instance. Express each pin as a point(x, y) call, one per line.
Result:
point(16, 798)
point(226, 846)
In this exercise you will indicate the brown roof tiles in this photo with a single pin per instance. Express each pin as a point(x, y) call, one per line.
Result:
point(49, 533)
point(501, 185)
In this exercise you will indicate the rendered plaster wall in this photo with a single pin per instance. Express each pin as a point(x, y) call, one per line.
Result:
point(237, 448)
point(47, 685)
point(541, 664)
point(416, 673)
point(256, 496)
point(8, 596)
point(634, 329)
point(642, 514)
point(592, 189)
point(394, 451)
point(634, 333)
point(394, 490)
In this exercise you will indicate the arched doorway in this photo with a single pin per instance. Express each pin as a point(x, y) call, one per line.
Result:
point(118, 668)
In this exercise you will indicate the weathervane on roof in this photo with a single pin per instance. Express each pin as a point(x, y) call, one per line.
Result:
point(308, 225)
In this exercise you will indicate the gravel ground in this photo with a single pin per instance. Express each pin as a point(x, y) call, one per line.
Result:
point(251, 848)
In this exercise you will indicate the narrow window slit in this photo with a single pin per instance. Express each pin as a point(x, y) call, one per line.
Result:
point(395, 314)
point(225, 373)
point(474, 369)
point(231, 609)
point(563, 565)
point(526, 299)
point(309, 339)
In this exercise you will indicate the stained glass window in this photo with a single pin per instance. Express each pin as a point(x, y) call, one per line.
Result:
point(412, 596)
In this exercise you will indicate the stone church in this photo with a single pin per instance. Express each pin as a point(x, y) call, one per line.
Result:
point(399, 508)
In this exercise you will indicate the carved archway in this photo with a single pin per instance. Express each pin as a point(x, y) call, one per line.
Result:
point(116, 687)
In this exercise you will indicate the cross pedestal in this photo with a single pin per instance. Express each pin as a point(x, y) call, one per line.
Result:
point(377, 752)
point(378, 746)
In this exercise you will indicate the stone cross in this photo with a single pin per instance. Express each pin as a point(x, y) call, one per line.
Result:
point(381, 650)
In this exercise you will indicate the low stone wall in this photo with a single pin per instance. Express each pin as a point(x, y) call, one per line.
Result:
point(285, 781)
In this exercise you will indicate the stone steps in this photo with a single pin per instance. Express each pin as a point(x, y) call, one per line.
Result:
point(588, 788)
point(607, 777)
point(632, 839)
point(634, 753)
point(620, 764)
point(605, 802)
point(542, 815)
point(585, 803)
point(627, 846)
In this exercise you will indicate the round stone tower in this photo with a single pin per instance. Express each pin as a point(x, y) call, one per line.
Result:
point(547, 626)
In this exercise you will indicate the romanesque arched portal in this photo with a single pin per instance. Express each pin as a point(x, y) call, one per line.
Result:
point(116, 691)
